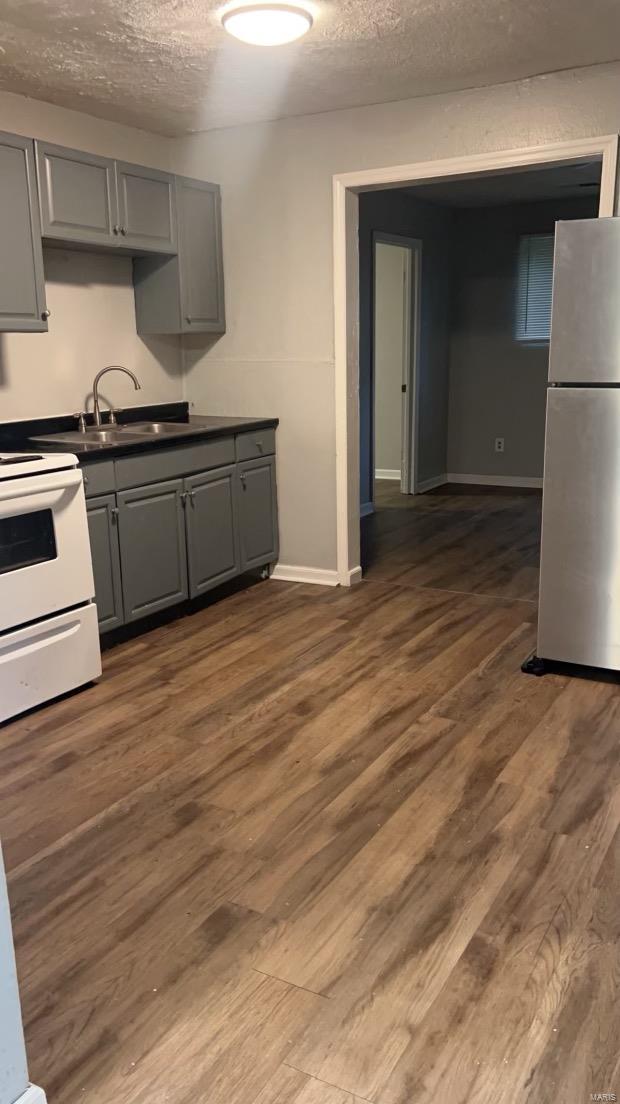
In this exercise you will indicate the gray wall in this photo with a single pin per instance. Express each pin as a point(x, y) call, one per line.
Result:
point(395, 213)
point(497, 384)
point(13, 1071)
point(276, 178)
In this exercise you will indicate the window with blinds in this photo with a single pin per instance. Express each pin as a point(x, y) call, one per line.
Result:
point(534, 282)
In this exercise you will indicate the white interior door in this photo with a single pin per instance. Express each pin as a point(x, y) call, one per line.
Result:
point(396, 332)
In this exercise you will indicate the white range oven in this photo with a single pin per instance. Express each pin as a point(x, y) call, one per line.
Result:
point(49, 640)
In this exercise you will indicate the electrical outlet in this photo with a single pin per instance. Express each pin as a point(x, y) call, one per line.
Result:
point(499, 444)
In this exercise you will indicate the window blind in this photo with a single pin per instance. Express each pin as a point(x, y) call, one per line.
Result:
point(534, 284)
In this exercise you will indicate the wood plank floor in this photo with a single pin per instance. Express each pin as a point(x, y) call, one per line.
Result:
point(314, 846)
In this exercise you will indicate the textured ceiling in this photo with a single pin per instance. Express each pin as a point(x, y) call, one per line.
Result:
point(561, 182)
point(168, 66)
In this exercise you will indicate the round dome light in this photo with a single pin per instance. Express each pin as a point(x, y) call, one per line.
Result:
point(267, 24)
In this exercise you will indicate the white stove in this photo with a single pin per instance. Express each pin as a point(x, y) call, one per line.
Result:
point(49, 640)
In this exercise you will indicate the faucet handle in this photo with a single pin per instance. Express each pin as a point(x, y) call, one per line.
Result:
point(81, 417)
point(112, 416)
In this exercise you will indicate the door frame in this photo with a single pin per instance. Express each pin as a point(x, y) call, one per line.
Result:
point(411, 358)
point(346, 189)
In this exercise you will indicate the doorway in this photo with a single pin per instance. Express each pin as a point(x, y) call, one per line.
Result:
point(347, 189)
point(397, 275)
point(483, 376)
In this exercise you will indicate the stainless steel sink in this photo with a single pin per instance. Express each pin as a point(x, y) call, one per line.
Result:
point(161, 428)
point(94, 437)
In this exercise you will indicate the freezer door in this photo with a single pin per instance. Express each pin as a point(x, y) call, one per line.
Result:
point(579, 614)
point(585, 319)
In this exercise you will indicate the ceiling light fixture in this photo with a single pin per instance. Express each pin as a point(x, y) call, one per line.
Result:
point(267, 24)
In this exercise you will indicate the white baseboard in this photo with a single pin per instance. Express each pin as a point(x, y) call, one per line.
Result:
point(32, 1095)
point(367, 508)
point(290, 573)
point(387, 473)
point(430, 484)
point(496, 480)
point(354, 576)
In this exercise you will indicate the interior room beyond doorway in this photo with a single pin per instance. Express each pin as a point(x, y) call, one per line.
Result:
point(453, 375)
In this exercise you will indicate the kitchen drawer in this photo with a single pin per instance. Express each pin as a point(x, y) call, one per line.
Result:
point(169, 463)
point(98, 478)
point(251, 446)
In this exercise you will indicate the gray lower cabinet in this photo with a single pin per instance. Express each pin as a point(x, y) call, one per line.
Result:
point(77, 192)
point(22, 287)
point(257, 512)
point(152, 547)
point(103, 532)
point(146, 208)
point(177, 537)
point(210, 518)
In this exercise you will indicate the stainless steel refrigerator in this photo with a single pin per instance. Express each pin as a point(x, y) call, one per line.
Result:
point(579, 613)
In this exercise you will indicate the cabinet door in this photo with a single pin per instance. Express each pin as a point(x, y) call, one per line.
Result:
point(257, 512)
point(210, 515)
point(201, 267)
point(78, 195)
point(153, 552)
point(22, 288)
point(146, 208)
point(103, 532)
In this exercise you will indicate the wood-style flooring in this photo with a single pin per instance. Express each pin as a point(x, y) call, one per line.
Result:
point(320, 846)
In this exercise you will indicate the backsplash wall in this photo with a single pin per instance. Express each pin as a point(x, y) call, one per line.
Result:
point(92, 323)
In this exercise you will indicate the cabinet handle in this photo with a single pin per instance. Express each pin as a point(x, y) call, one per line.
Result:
point(188, 319)
point(242, 478)
point(116, 229)
point(260, 446)
point(45, 314)
point(123, 230)
point(114, 513)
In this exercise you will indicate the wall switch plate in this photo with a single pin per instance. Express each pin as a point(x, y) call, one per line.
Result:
point(499, 444)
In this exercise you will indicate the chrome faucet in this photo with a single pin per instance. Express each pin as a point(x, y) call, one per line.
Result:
point(109, 368)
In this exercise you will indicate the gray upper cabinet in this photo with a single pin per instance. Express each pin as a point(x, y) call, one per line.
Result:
point(212, 548)
point(152, 546)
point(103, 533)
point(77, 192)
point(185, 294)
point(257, 512)
point(202, 268)
point(146, 208)
point(22, 287)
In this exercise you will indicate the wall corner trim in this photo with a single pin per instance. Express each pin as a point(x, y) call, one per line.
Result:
point(430, 484)
point(291, 573)
point(32, 1095)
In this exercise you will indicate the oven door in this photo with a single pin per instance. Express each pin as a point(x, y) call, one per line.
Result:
point(45, 562)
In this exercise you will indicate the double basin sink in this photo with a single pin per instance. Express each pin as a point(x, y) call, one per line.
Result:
point(117, 435)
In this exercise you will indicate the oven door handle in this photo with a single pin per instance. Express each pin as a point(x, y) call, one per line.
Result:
point(30, 487)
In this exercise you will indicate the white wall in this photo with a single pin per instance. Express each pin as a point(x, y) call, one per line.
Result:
point(278, 353)
point(389, 358)
point(13, 1070)
point(90, 295)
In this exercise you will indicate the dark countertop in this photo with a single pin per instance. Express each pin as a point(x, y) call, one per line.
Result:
point(52, 433)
